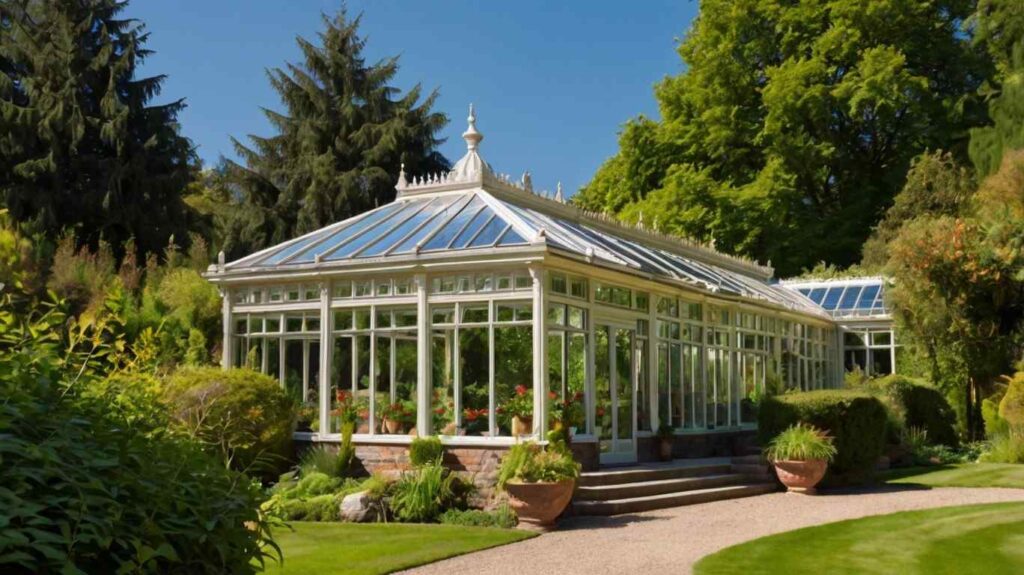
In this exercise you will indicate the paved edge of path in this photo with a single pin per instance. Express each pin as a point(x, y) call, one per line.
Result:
point(672, 540)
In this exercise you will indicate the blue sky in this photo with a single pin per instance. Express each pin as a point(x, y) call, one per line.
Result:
point(552, 82)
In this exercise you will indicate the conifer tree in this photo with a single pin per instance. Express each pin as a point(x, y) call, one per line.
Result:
point(82, 147)
point(341, 139)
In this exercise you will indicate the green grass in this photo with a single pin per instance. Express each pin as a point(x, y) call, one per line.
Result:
point(961, 475)
point(347, 548)
point(974, 539)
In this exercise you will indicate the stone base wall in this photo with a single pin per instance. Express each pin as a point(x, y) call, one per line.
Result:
point(587, 454)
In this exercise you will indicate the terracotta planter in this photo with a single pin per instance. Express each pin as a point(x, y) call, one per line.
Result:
point(801, 476)
point(391, 426)
point(538, 505)
point(664, 449)
point(522, 426)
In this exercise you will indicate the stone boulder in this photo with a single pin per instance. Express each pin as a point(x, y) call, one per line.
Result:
point(358, 508)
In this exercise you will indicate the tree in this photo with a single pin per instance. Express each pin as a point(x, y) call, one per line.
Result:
point(799, 121)
point(959, 286)
point(81, 144)
point(339, 145)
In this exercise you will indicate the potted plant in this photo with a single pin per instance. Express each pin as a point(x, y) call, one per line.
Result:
point(566, 414)
point(519, 408)
point(801, 455)
point(666, 436)
point(539, 482)
point(396, 417)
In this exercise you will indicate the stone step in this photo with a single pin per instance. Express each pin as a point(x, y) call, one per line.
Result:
point(651, 472)
point(656, 487)
point(756, 459)
point(651, 502)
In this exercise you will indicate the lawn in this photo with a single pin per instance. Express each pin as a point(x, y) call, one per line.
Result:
point(962, 475)
point(982, 539)
point(347, 548)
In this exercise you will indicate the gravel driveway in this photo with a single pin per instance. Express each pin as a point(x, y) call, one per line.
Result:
point(672, 540)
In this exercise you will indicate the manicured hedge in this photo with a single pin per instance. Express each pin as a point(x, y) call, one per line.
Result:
point(922, 406)
point(856, 420)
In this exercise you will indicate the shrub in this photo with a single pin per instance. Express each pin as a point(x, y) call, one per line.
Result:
point(242, 415)
point(528, 462)
point(323, 460)
point(921, 406)
point(503, 517)
point(801, 442)
point(423, 494)
point(1011, 407)
point(425, 450)
point(995, 425)
point(855, 420)
point(84, 490)
point(1004, 449)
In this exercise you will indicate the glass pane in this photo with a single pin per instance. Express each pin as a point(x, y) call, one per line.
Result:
point(373, 233)
point(272, 325)
point(342, 379)
point(693, 409)
point(293, 324)
point(556, 314)
point(675, 384)
point(643, 420)
point(362, 392)
point(443, 315)
point(383, 318)
point(513, 377)
point(387, 413)
point(511, 238)
point(624, 388)
point(602, 388)
point(379, 216)
point(558, 284)
point(832, 298)
point(471, 230)
point(443, 369)
point(474, 373)
point(576, 317)
point(575, 377)
point(490, 233)
point(342, 319)
point(578, 288)
point(293, 369)
point(404, 228)
point(867, 297)
point(476, 313)
point(362, 317)
point(274, 359)
point(850, 296)
point(449, 231)
point(405, 318)
point(343, 289)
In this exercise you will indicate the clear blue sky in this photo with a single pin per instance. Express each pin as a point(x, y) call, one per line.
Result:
point(552, 82)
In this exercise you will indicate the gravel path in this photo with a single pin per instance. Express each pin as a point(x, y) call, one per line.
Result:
point(672, 540)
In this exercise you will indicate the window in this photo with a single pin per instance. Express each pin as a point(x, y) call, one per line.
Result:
point(668, 306)
point(559, 284)
point(614, 295)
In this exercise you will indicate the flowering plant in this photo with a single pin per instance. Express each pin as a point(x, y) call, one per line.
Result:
point(403, 412)
point(569, 411)
point(347, 407)
point(519, 405)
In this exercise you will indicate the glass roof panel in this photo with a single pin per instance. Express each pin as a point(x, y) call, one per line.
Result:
point(511, 238)
point(867, 297)
point(817, 294)
point(832, 298)
point(489, 234)
point(452, 228)
point(467, 234)
point(850, 296)
point(374, 234)
point(380, 216)
point(441, 216)
point(405, 228)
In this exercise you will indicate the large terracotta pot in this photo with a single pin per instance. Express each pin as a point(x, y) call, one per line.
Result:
point(801, 476)
point(538, 505)
point(522, 426)
point(391, 426)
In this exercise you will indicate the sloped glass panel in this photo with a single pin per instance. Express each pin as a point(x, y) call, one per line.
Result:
point(474, 226)
point(441, 217)
point(380, 216)
point(832, 298)
point(817, 295)
point(490, 233)
point(404, 229)
point(444, 237)
point(295, 248)
point(850, 297)
point(511, 238)
point(867, 297)
point(376, 233)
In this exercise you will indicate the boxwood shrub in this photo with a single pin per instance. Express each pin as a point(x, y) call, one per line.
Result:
point(922, 406)
point(856, 420)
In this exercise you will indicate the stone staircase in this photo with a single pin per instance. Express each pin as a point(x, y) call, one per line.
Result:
point(650, 486)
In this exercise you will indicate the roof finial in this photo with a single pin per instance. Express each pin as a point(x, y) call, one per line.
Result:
point(402, 182)
point(471, 136)
point(558, 192)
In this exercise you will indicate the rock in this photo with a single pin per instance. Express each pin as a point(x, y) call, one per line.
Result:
point(358, 508)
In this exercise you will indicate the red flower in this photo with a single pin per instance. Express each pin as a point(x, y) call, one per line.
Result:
point(552, 395)
point(520, 390)
point(600, 412)
point(343, 395)
point(439, 411)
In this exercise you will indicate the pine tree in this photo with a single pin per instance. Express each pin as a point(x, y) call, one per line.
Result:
point(81, 148)
point(339, 145)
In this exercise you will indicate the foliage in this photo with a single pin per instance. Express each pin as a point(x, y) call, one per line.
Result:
point(855, 420)
point(920, 406)
point(422, 494)
point(1007, 448)
point(80, 276)
point(666, 431)
point(519, 405)
point(81, 145)
point(425, 451)
point(402, 412)
point(241, 415)
point(315, 496)
point(1011, 407)
point(568, 411)
point(994, 423)
point(801, 442)
point(90, 485)
point(324, 460)
point(793, 122)
point(529, 462)
point(338, 146)
point(958, 292)
point(503, 517)
point(21, 257)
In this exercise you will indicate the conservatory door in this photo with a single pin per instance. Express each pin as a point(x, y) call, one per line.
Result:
point(615, 392)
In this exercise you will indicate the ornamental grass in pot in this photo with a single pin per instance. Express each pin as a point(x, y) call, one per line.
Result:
point(801, 455)
point(539, 482)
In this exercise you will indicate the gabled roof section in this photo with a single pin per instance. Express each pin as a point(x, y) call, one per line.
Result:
point(860, 297)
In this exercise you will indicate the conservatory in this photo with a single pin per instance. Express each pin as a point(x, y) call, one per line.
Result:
point(478, 309)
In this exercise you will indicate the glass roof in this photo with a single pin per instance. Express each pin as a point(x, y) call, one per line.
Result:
point(477, 219)
point(854, 297)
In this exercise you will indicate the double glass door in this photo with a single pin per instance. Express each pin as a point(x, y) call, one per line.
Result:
point(615, 392)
